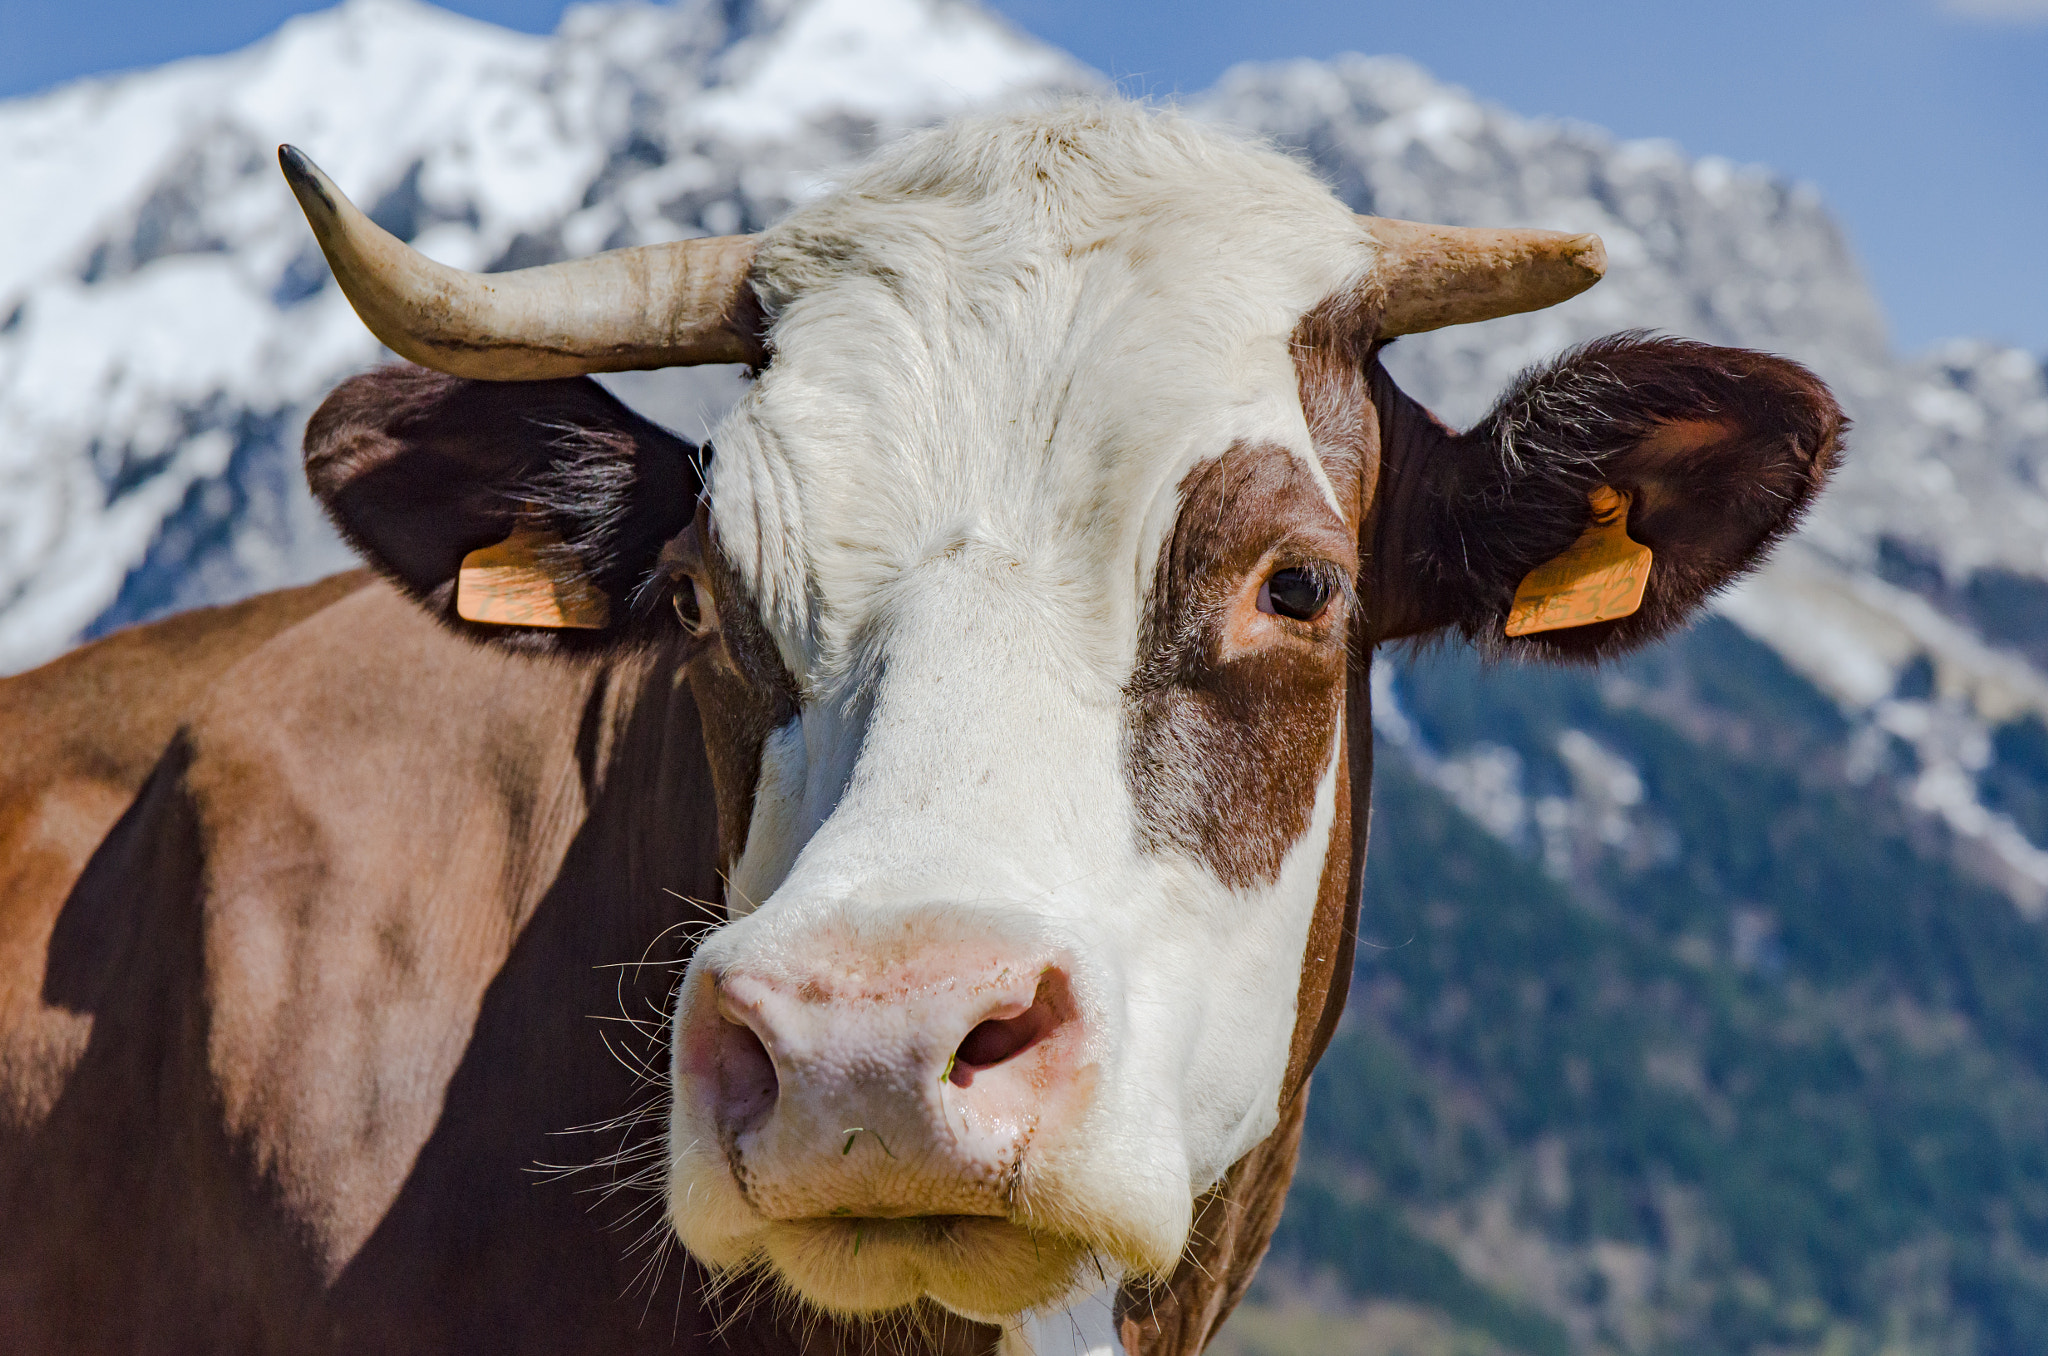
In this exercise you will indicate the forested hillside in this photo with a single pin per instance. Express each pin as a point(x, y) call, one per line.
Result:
point(1700, 1049)
point(1704, 1005)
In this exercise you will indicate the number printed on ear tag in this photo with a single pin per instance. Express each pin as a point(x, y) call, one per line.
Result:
point(1600, 578)
point(509, 584)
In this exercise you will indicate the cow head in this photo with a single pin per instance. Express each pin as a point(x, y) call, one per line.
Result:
point(1027, 598)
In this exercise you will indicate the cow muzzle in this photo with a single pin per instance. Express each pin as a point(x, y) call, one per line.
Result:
point(878, 1108)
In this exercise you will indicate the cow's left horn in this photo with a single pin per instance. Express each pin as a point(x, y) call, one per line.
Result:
point(1435, 276)
point(652, 306)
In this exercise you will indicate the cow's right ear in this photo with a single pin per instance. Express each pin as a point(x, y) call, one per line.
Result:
point(529, 513)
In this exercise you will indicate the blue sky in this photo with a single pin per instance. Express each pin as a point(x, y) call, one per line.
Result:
point(1923, 122)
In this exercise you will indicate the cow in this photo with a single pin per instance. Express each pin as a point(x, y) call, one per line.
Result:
point(951, 781)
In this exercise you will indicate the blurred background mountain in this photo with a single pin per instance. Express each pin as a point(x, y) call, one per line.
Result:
point(1704, 1005)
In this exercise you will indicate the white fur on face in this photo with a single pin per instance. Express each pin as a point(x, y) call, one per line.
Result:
point(998, 352)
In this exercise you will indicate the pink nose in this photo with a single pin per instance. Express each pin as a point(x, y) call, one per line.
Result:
point(902, 1089)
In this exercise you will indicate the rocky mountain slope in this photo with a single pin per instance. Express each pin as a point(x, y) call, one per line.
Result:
point(1703, 999)
point(1705, 1004)
point(166, 323)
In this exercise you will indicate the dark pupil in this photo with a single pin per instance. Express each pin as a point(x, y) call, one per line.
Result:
point(684, 600)
point(1297, 594)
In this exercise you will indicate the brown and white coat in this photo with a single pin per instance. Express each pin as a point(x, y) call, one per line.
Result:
point(1022, 615)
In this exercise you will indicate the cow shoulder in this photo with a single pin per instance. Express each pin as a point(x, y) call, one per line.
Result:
point(381, 808)
point(336, 967)
point(82, 734)
point(432, 870)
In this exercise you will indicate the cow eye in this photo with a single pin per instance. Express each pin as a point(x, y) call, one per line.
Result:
point(1294, 592)
point(692, 603)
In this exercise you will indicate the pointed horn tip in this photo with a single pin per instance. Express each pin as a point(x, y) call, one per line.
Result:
point(307, 181)
point(297, 166)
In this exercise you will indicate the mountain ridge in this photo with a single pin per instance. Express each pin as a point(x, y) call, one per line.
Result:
point(1799, 848)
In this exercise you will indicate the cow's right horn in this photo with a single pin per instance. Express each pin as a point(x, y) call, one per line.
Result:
point(667, 305)
point(1433, 276)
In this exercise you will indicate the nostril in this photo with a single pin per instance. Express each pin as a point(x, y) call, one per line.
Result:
point(747, 1085)
point(1001, 1039)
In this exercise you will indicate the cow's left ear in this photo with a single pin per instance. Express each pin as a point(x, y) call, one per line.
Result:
point(522, 513)
point(1714, 451)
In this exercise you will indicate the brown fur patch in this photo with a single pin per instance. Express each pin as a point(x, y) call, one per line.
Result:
point(1229, 740)
point(340, 963)
point(1333, 347)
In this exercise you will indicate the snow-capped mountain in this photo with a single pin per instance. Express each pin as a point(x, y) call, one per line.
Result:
point(1946, 486)
point(166, 325)
point(164, 318)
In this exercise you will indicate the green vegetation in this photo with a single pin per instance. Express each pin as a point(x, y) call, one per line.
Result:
point(1375, 1252)
point(1796, 1066)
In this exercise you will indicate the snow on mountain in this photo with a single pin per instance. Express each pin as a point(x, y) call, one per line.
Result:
point(1929, 550)
point(1701, 248)
point(166, 323)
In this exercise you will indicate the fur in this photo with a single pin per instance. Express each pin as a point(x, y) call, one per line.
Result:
point(1050, 394)
point(1000, 351)
point(417, 469)
point(1720, 449)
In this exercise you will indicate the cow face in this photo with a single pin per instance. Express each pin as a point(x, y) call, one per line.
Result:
point(1061, 581)
point(1027, 601)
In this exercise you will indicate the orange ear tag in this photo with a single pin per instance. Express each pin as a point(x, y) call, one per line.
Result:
point(1601, 578)
point(510, 585)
